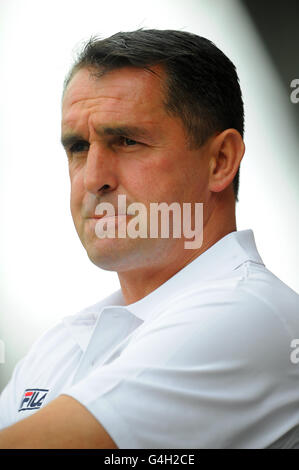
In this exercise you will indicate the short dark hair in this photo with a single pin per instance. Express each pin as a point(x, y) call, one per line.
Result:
point(202, 85)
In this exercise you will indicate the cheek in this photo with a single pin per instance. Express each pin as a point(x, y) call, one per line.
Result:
point(144, 182)
point(151, 173)
point(165, 179)
point(76, 194)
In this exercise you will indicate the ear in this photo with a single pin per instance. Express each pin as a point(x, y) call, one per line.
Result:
point(226, 152)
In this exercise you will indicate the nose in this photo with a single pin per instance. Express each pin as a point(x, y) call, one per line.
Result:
point(100, 169)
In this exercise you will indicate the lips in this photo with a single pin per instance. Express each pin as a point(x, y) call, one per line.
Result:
point(106, 216)
point(94, 207)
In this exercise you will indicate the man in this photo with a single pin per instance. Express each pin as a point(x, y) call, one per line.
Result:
point(194, 350)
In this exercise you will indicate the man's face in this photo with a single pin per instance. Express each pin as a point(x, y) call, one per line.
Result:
point(120, 140)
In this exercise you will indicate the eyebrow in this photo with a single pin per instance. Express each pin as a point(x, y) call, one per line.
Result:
point(69, 139)
point(135, 132)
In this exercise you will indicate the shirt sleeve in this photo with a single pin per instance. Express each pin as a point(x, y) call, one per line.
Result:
point(217, 375)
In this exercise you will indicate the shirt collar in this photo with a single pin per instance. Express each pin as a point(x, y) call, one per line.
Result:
point(220, 260)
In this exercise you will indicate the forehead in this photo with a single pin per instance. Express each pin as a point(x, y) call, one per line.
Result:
point(132, 90)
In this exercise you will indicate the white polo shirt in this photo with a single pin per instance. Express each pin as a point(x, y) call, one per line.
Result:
point(204, 361)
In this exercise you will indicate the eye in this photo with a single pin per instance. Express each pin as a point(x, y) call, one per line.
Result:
point(128, 142)
point(79, 146)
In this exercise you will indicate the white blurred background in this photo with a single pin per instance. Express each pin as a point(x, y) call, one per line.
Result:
point(44, 271)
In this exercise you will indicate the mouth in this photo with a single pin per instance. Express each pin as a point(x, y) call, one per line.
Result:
point(103, 222)
point(106, 217)
point(109, 226)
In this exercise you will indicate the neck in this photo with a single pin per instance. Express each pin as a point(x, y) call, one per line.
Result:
point(138, 283)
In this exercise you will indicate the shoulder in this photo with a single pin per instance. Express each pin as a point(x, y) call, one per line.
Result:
point(252, 314)
point(250, 288)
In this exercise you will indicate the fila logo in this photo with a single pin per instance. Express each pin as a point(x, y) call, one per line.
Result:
point(33, 399)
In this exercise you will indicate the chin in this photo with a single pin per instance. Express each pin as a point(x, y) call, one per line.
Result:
point(120, 255)
point(109, 255)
